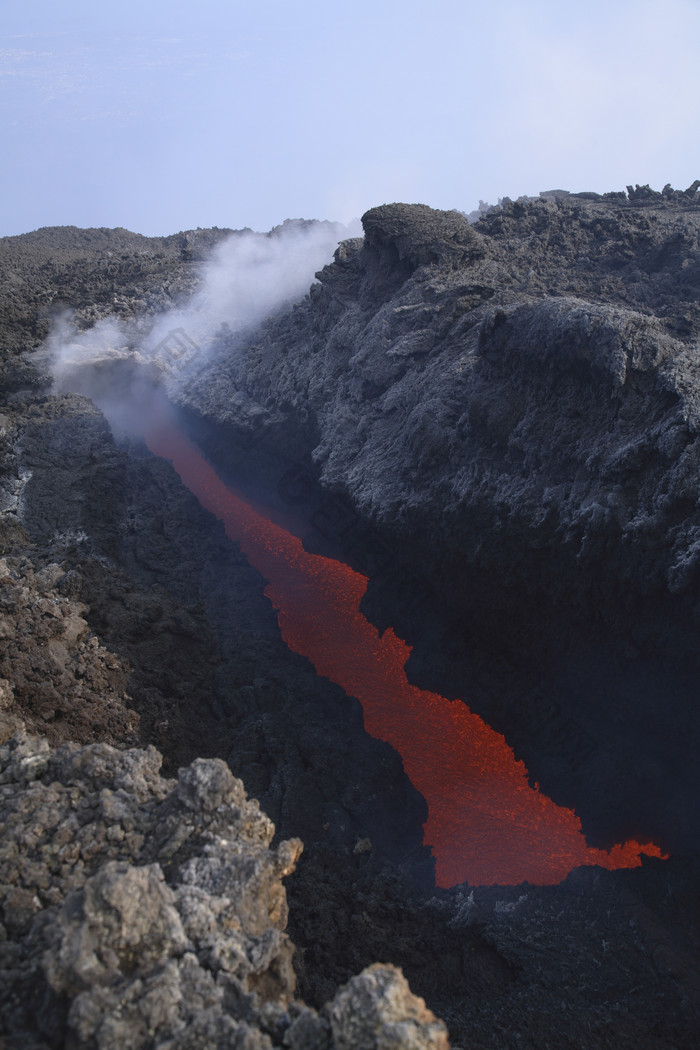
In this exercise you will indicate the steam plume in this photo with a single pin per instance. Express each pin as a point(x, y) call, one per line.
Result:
point(247, 277)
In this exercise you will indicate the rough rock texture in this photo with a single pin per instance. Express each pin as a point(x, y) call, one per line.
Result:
point(541, 362)
point(56, 675)
point(129, 616)
point(146, 912)
point(192, 642)
point(413, 426)
point(504, 416)
point(96, 273)
point(371, 1011)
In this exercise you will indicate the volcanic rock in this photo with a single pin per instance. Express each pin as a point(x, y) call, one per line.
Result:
point(504, 417)
point(497, 423)
point(148, 912)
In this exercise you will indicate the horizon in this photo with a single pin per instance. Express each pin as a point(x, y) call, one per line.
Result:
point(161, 119)
point(350, 226)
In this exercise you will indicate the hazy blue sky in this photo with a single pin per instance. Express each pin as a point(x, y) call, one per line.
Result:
point(161, 116)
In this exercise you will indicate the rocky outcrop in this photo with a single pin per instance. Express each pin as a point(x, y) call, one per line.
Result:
point(148, 912)
point(541, 362)
point(437, 410)
point(95, 273)
point(55, 675)
point(498, 423)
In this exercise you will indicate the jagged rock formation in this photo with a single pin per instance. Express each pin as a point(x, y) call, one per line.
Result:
point(55, 676)
point(444, 350)
point(500, 415)
point(96, 273)
point(148, 912)
point(510, 410)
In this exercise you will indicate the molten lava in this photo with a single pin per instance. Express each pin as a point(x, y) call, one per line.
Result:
point(485, 824)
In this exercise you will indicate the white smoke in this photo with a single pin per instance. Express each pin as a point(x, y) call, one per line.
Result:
point(247, 277)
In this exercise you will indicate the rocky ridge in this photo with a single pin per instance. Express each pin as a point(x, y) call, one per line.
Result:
point(574, 312)
point(507, 412)
point(162, 592)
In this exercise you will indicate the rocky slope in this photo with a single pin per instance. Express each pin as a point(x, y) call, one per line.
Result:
point(127, 617)
point(497, 422)
point(504, 417)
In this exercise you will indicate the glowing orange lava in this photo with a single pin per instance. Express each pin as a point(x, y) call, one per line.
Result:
point(486, 824)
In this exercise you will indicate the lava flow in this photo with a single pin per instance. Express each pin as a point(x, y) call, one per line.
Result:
point(486, 824)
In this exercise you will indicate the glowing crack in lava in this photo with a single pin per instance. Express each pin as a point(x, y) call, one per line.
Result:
point(486, 824)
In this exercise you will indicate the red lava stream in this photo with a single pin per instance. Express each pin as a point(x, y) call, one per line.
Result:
point(486, 825)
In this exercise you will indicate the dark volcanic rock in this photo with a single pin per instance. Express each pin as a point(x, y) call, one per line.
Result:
point(509, 411)
point(195, 651)
point(150, 913)
point(498, 423)
point(56, 676)
point(96, 273)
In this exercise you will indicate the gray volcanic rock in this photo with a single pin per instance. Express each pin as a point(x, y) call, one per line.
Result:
point(55, 675)
point(150, 913)
point(505, 415)
point(371, 1011)
point(97, 273)
point(462, 411)
point(482, 377)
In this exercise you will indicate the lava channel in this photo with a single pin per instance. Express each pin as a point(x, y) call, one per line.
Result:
point(486, 824)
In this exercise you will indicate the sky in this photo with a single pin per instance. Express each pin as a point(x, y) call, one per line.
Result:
point(164, 116)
